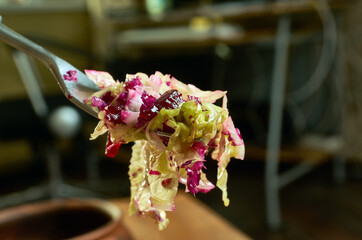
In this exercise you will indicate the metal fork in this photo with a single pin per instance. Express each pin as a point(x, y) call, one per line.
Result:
point(75, 91)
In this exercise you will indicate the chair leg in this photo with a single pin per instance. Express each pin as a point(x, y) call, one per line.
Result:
point(275, 123)
point(54, 171)
point(339, 169)
point(93, 172)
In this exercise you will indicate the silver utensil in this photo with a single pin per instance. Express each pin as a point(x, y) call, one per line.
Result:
point(75, 85)
point(77, 91)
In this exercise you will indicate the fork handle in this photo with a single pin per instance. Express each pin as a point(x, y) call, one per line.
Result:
point(25, 45)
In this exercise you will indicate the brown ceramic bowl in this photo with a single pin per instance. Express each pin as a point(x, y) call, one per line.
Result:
point(78, 219)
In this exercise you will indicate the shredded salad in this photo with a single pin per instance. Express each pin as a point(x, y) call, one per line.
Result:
point(173, 126)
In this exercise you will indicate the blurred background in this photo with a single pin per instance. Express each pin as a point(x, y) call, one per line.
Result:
point(292, 70)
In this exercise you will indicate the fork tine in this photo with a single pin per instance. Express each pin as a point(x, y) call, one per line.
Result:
point(77, 91)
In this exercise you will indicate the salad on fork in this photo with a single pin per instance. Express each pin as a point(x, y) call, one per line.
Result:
point(173, 126)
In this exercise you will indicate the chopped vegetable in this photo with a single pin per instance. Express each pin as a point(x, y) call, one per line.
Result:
point(173, 127)
point(71, 75)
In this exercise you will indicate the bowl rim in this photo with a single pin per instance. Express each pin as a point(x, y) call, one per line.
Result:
point(29, 209)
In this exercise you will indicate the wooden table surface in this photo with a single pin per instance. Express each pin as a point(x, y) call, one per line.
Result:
point(191, 220)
